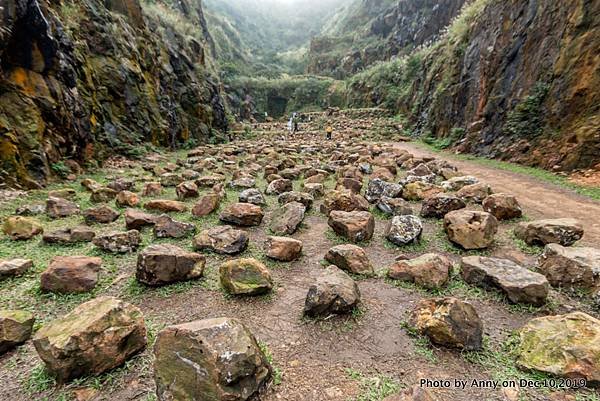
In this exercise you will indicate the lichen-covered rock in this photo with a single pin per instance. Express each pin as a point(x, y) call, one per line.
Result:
point(350, 258)
point(242, 214)
point(416, 191)
point(21, 228)
point(404, 230)
point(471, 229)
point(95, 337)
point(449, 322)
point(283, 249)
point(441, 204)
point(245, 277)
point(233, 366)
point(519, 284)
point(334, 292)
point(503, 206)
point(354, 226)
point(119, 242)
point(166, 264)
point(15, 328)
point(378, 188)
point(430, 270)
point(456, 183)
point(563, 345)
point(252, 195)
point(553, 231)
point(570, 267)
point(71, 274)
point(287, 219)
point(475, 193)
point(394, 206)
point(223, 239)
point(14, 267)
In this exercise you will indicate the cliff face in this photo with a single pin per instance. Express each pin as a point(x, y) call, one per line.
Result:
point(512, 79)
point(377, 30)
point(85, 79)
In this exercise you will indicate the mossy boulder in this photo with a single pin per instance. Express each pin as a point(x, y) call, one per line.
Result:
point(22, 228)
point(245, 277)
point(15, 328)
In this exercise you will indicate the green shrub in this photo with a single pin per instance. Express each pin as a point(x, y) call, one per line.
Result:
point(526, 119)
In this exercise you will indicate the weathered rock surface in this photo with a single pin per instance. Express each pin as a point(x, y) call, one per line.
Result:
point(206, 205)
point(14, 267)
point(136, 219)
point(441, 204)
point(471, 229)
point(334, 292)
point(287, 219)
point(165, 205)
point(503, 206)
point(416, 191)
point(101, 215)
point(520, 284)
point(475, 193)
point(430, 270)
point(57, 208)
point(165, 264)
point(119, 242)
point(283, 249)
point(223, 239)
point(449, 322)
point(71, 274)
point(166, 227)
point(95, 337)
point(245, 277)
point(355, 226)
point(186, 190)
point(570, 267)
point(350, 258)
point(16, 327)
point(232, 364)
point(242, 214)
point(253, 196)
point(394, 206)
point(127, 199)
point(279, 186)
point(345, 201)
point(404, 230)
point(294, 196)
point(21, 228)
point(542, 232)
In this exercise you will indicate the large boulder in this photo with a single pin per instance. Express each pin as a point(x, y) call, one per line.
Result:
point(570, 267)
point(21, 228)
point(503, 206)
point(14, 267)
point(334, 292)
point(245, 277)
point(471, 229)
point(166, 227)
point(224, 240)
point(71, 274)
point(449, 322)
point(404, 230)
point(355, 226)
point(542, 232)
point(69, 235)
point(101, 215)
point(231, 363)
point(563, 345)
point(431, 270)
point(520, 285)
point(15, 328)
point(345, 201)
point(95, 337)
point(287, 219)
point(283, 249)
point(441, 204)
point(165, 264)
point(59, 207)
point(119, 242)
point(350, 258)
point(242, 214)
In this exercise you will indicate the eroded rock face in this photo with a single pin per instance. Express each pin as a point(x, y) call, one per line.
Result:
point(233, 365)
point(224, 240)
point(563, 345)
point(552, 231)
point(283, 249)
point(15, 328)
point(166, 264)
point(449, 322)
point(355, 226)
point(471, 229)
point(71, 274)
point(350, 258)
point(404, 230)
point(245, 277)
point(570, 267)
point(334, 292)
point(95, 337)
point(430, 270)
point(519, 283)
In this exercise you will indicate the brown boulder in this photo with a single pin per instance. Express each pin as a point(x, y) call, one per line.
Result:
point(223, 240)
point(71, 274)
point(242, 214)
point(165, 205)
point(350, 258)
point(502, 206)
point(165, 264)
point(471, 229)
point(431, 271)
point(101, 214)
point(355, 226)
point(283, 249)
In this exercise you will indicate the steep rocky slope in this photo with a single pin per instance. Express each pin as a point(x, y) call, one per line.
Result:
point(83, 79)
point(516, 80)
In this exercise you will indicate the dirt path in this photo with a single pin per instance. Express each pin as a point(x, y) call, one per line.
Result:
point(539, 199)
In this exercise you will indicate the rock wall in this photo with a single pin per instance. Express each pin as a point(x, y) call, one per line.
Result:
point(84, 79)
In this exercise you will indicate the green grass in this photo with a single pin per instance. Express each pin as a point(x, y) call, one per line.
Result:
point(423, 346)
point(374, 388)
point(277, 373)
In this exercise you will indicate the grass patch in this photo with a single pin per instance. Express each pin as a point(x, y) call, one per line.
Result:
point(374, 388)
point(277, 374)
point(423, 346)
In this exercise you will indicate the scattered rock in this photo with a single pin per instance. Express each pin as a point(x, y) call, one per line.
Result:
point(95, 337)
point(277, 187)
point(14, 267)
point(439, 205)
point(542, 232)
point(206, 205)
point(394, 206)
point(314, 190)
point(471, 229)
point(521, 285)
point(71, 274)
point(57, 208)
point(31, 210)
point(122, 184)
point(136, 220)
point(21, 228)
point(293, 196)
point(502, 206)
point(378, 188)
point(431, 271)
point(344, 201)
point(283, 249)
point(351, 258)
point(166, 206)
point(252, 195)
point(563, 345)
point(287, 218)
point(475, 193)
point(166, 227)
point(164, 264)
point(334, 292)
point(186, 190)
point(223, 240)
point(170, 179)
point(449, 322)
point(64, 193)
point(101, 214)
point(404, 230)
point(245, 277)
point(103, 195)
point(355, 226)
point(416, 191)
point(232, 364)
point(127, 199)
point(152, 189)
point(242, 214)
point(16, 327)
point(456, 183)
point(570, 267)
point(243, 183)
point(119, 242)
point(69, 235)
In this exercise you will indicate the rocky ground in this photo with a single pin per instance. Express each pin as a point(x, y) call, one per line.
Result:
point(436, 279)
